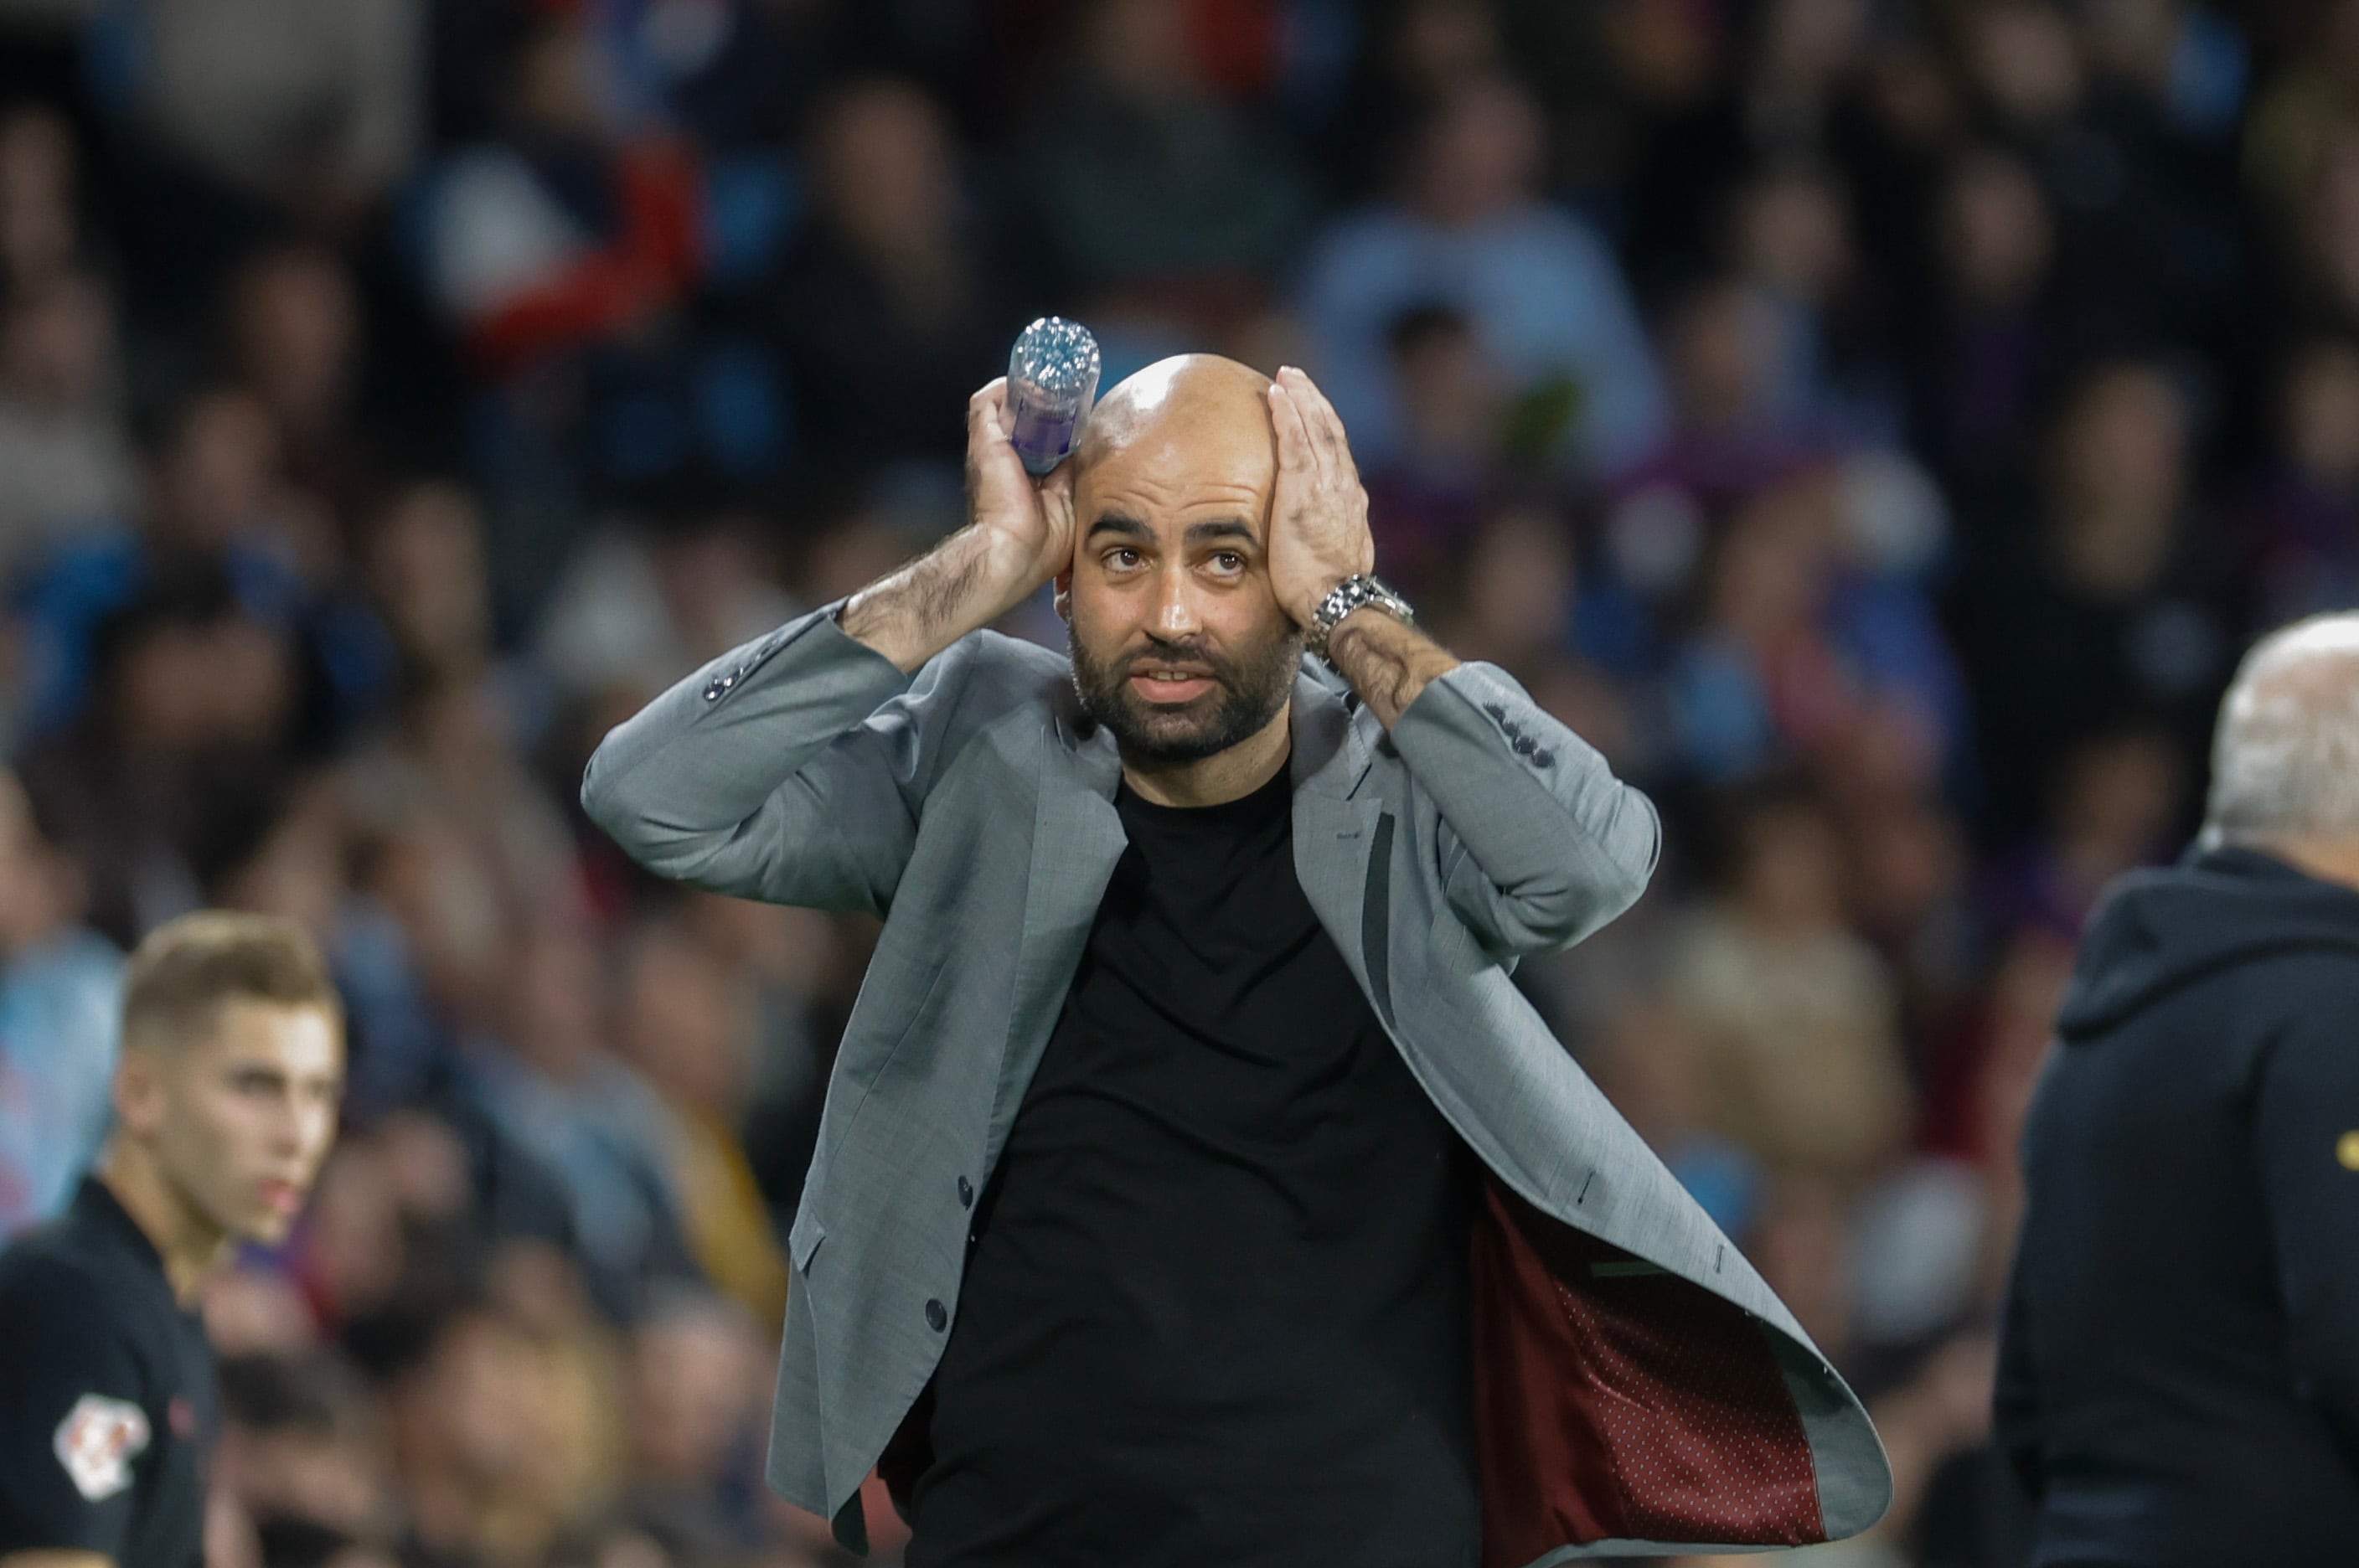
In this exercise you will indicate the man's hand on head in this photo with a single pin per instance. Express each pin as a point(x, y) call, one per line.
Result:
point(1318, 513)
point(1319, 536)
point(1028, 521)
point(1018, 536)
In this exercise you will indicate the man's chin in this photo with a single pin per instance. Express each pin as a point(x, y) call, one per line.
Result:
point(266, 1229)
point(1176, 732)
point(258, 1225)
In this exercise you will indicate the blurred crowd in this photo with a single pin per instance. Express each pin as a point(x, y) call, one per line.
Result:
point(1878, 427)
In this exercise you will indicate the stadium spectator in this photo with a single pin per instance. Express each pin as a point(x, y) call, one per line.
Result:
point(62, 443)
point(2115, 602)
point(1469, 230)
point(59, 986)
point(1795, 1017)
point(1160, 200)
point(41, 234)
point(2300, 524)
point(892, 309)
point(688, 1025)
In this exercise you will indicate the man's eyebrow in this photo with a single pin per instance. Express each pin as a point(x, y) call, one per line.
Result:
point(1197, 534)
point(1114, 523)
point(1221, 529)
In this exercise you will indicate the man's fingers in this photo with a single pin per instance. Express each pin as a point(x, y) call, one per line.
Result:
point(1310, 459)
point(983, 410)
point(1326, 425)
point(1295, 451)
point(1062, 509)
point(1308, 390)
point(1057, 488)
point(1316, 415)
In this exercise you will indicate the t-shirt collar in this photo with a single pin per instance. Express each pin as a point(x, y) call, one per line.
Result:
point(95, 1201)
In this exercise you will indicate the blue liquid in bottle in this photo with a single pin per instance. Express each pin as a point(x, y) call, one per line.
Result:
point(1052, 380)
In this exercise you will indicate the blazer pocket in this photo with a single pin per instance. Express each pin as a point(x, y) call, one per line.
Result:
point(803, 1240)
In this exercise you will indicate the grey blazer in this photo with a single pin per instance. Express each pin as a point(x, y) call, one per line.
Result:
point(1639, 1389)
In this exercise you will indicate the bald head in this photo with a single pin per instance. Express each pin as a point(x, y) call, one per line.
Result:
point(1199, 401)
point(2285, 762)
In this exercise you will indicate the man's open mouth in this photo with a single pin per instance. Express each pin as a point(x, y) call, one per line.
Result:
point(1170, 683)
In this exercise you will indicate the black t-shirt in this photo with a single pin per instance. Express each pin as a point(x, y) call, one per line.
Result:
point(1215, 1306)
point(108, 1403)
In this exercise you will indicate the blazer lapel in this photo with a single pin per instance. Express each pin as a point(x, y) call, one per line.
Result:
point(1336, 837)
point(1077, 839)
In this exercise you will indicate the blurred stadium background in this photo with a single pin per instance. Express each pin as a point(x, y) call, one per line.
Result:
point(1877, 424)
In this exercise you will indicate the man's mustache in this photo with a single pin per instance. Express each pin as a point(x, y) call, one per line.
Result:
point(1188, 658)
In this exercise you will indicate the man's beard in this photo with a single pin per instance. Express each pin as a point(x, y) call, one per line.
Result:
point(1247, 693)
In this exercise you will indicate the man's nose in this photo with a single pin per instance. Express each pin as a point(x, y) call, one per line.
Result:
point(285, 1130)
point(1175, 609)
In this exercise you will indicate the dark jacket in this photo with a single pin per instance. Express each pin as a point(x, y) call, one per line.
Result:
point(2178, 1378)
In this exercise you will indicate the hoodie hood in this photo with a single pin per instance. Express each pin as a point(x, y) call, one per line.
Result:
point(2158, 931)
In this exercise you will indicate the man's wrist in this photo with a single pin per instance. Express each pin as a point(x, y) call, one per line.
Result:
point(1344, 599)
point(1387, 660)
point(962, 585)
point(1364, 617)
point(1011, 570)
point(1306, 613)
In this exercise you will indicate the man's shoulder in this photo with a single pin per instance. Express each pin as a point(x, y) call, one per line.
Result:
point(51, 1277)
point(993, 673)
point(1015, 657)
point(2312, 986)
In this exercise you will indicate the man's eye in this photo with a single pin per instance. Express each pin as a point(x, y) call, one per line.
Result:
point(1123, 559)
point(1229, 561)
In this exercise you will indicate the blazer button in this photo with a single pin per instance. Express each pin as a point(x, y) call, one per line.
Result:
point(937, 1316)
point(713, 688)
point(966, 1193)
point(1545, 759)
point(1524, 745)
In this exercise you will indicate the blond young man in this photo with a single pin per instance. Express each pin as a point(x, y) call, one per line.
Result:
point(225, 1103)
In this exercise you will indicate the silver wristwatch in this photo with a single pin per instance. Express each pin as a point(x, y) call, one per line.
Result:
point(1347, 597)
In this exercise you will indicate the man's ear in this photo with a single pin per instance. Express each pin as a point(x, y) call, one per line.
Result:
point(139, 1091)
point(1061, 594)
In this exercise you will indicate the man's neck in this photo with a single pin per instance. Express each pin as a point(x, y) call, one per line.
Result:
point(2335, 860)
point(191, 1244)
point(1229, 775)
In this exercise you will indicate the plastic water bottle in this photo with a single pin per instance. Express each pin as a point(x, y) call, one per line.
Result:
point(1052, 380)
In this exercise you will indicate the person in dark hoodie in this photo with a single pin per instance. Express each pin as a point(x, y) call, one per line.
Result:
point(2178, 1368)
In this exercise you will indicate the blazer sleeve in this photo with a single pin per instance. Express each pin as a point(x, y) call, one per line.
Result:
point(791, 769)
point(1540, 845)
point(2307, 1143)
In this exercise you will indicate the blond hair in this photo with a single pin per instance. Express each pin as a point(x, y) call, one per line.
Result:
point(186, 969)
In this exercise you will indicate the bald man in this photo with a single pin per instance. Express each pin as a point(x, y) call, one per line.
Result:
point(2179, 1366)
point(1194, 1187)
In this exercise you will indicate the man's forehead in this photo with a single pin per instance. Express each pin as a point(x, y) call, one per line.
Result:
point(1179, 435)
point(300, 1037)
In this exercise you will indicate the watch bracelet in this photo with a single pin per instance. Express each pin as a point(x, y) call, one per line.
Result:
point(1361, 588)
